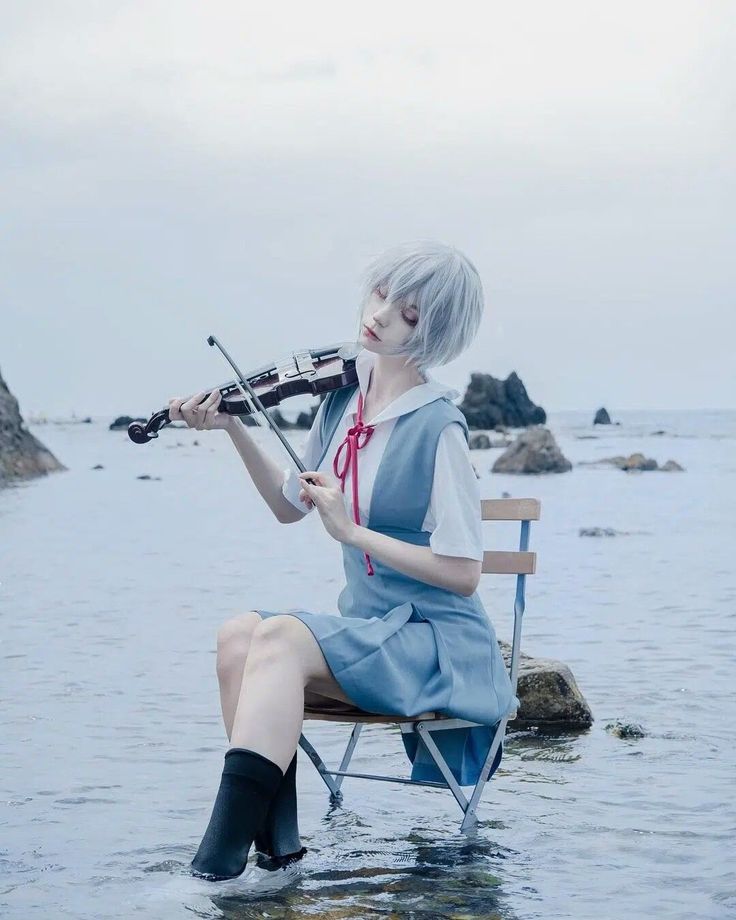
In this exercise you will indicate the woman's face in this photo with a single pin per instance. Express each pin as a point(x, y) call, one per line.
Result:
point(393, 323)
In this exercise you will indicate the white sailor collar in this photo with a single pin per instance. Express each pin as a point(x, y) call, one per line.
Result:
point(412, 399)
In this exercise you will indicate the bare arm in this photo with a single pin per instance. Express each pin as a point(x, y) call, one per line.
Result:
point(454, 573)
point(266, 474)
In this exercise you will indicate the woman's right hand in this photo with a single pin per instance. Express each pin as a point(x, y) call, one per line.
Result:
point(200, 415)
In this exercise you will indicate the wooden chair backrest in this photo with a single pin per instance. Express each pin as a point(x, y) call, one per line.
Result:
point(524, 510)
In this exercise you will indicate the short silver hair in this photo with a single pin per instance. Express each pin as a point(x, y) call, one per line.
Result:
point(444, 286)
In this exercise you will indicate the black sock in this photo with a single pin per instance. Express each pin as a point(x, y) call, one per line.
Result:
point(248, 784)
point(279, 837)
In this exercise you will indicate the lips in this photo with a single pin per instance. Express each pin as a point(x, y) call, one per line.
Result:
point(371, 333)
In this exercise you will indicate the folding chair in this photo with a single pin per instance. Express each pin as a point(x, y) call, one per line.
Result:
point(520, 563)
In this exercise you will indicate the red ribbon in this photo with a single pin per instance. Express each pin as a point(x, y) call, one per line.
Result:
point(358, 436)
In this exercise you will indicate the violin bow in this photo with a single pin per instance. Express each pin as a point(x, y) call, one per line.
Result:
point(251, 395)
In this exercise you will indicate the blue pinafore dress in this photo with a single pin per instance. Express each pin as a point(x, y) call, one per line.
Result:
point(402, 646)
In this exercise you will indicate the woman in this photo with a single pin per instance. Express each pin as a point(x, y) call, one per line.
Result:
point(413, 635)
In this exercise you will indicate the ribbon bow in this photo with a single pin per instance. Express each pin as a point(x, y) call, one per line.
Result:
point(358, 436)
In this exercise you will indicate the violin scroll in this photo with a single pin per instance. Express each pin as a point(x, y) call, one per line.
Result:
point(141, 433)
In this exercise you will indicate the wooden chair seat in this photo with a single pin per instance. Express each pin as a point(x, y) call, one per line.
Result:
point(337, 711)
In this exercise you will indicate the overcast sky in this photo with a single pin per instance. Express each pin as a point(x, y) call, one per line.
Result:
point(175, 169)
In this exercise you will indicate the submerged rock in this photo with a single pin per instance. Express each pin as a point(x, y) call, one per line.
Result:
point(483, 442)
point(22, 456)
point(534, 451)
point(625, 729)
point(602, 417)
point(548, 694)
point(597, 532)
point(635, 462)
point(489, 402)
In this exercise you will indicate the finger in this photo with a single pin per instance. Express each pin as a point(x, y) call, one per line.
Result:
point(194, 401)
point(303, 497)
point(212, 417)
point(210, 406)
point(187, 409)
point(174, 408)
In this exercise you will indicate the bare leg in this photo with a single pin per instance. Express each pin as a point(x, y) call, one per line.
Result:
point(284, 660)
point(257, 791)
point(233, 643)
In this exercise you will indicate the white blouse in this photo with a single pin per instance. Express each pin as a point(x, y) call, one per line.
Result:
point(453, 515)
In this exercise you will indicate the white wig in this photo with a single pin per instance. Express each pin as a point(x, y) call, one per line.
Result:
point(443, 285)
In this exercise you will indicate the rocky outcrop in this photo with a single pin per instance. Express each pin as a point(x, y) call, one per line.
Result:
point(602, 417)
point(489, 402)
point(306, 419)
point(534, 451)
point(22, 456)
point(122, 421)
point(548, 694)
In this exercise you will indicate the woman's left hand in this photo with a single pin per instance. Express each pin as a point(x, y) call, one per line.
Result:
point(328, 498)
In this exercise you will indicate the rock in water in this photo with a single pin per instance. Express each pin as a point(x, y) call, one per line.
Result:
point(625, 729)
point(122, 421)
point(548, 694)
point(597, 532)
point(22, 456)
point(534, 451)
point(602, 417)
point(479, 441)
point(489, 402)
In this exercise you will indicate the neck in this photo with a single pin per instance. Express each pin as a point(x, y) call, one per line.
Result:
point(390, 378)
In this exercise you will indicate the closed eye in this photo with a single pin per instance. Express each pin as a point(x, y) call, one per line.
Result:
point(408, 318)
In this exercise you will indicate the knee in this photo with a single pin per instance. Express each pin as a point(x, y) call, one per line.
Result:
point(234, 638)
point(274, 639)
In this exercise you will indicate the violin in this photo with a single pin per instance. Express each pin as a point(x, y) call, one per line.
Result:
point(315, 371)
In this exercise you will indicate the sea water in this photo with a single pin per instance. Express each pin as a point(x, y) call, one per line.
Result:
point(112, 591)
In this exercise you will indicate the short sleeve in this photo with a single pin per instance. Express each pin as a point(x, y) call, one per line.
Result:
point(291, 486)
point(455, 500)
